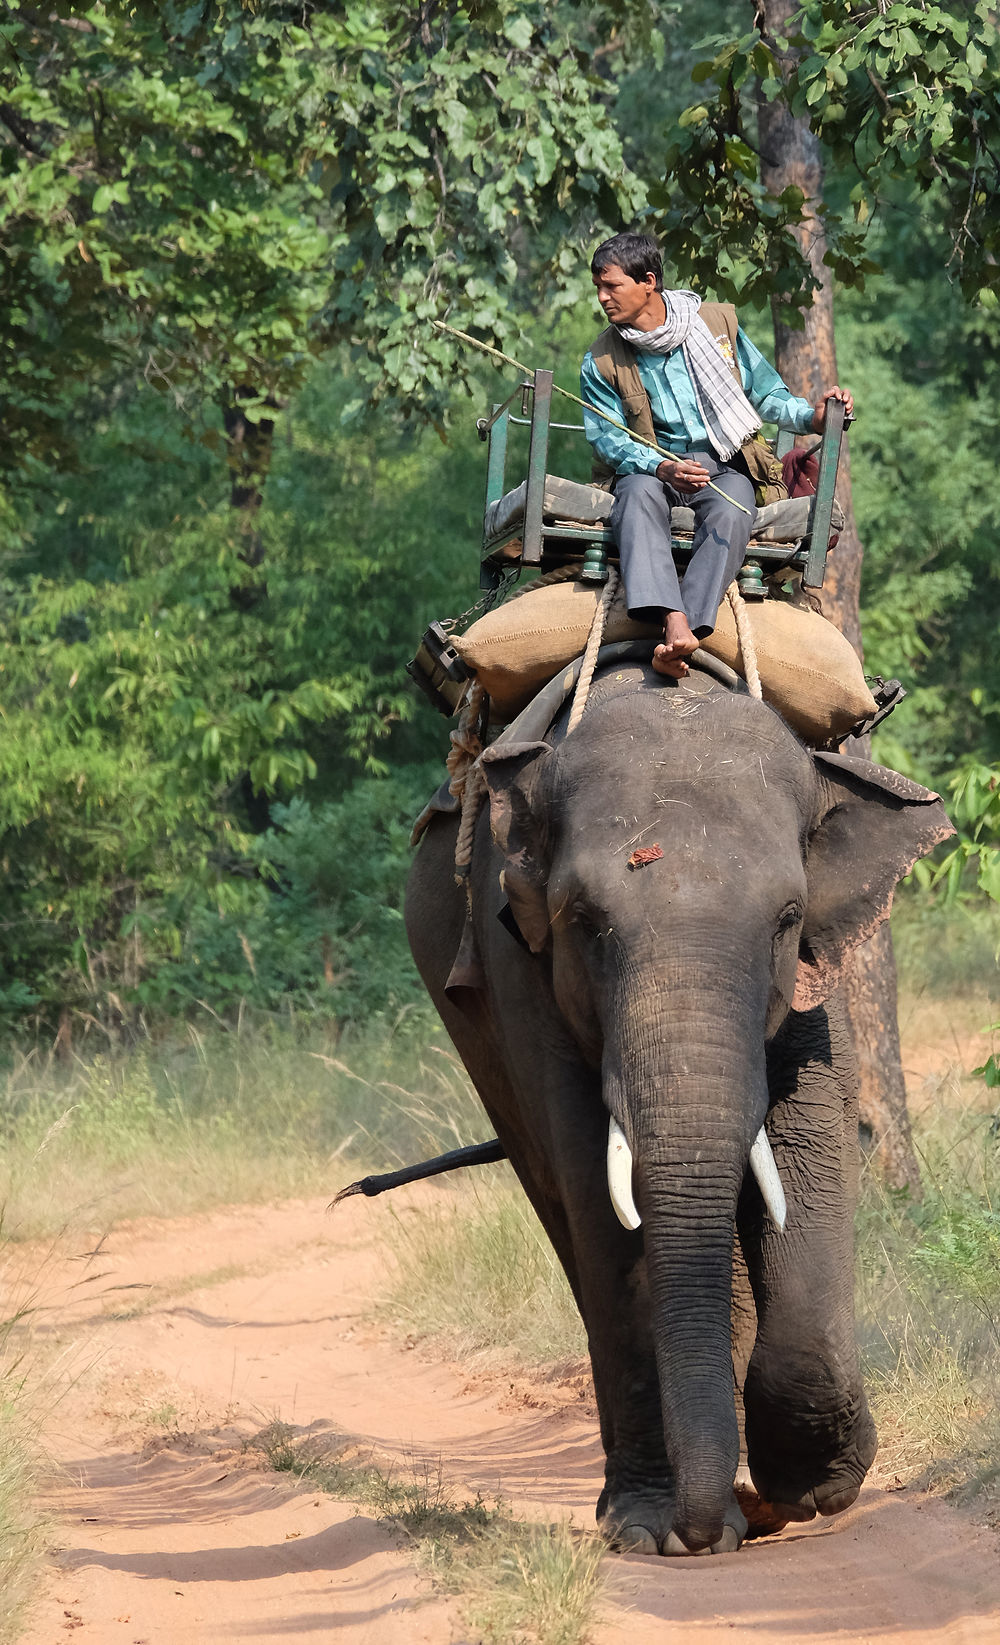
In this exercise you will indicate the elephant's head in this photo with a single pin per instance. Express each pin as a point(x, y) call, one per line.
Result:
point(673, 974)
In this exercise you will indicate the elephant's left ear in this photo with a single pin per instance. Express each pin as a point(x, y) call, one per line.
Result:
point(871, 826)
point(513, 772)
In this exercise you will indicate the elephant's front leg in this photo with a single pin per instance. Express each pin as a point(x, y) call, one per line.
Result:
point(810, 1436)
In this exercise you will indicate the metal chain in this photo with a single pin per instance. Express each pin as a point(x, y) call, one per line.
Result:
point(486, 602)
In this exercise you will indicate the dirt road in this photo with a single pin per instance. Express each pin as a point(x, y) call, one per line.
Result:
point(174, 1343)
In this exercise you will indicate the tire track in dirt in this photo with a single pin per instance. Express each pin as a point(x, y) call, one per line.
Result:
point(176, 1342)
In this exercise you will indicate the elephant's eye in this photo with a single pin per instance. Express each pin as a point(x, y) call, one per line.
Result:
point(588, 921)
point(788, 918)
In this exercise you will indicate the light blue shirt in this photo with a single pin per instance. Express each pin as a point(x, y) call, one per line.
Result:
point(676, 420)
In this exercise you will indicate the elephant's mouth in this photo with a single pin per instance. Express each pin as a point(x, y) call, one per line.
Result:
point(762, 1164)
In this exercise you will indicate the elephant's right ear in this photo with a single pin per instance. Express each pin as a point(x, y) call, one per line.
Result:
point(872, 825)
point(512, 772)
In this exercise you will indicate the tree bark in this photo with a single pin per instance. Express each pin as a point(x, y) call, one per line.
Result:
point(807, 360)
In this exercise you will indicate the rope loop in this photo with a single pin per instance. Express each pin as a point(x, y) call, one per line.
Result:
point(466, 778)
point(473, 795)
point(744, 633)
point(589, 663)
point(466, 743)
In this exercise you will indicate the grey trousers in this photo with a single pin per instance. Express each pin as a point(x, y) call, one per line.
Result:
point(640, 521)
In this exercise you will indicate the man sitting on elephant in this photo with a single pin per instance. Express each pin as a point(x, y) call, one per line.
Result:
point(683, 375)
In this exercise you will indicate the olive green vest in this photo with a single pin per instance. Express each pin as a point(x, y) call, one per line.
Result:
point(617, 364)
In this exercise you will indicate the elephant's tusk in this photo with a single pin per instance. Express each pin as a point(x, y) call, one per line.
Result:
point(620, 1177)
point(762, 1164)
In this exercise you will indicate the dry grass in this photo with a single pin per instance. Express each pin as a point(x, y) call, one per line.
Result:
point(231, 1118)
point(929, 1272)
point(516, 1583)
point(929, 1308)
point(479, 1278)
point(538, 1584)
point(22, 1396)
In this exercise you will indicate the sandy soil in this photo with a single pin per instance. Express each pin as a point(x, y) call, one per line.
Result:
point(174, 1343)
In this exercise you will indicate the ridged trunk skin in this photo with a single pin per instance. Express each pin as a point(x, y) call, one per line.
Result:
point(688, 1077)
point(807, 360)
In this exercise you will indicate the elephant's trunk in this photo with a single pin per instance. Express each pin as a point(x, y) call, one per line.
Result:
point(691, 1099)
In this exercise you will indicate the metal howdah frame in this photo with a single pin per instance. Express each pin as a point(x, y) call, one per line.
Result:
point(532, 541)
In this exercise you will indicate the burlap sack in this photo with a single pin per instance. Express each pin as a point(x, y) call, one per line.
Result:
point(808, 671)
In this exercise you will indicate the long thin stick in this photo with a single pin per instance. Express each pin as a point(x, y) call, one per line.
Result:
point(509, 360)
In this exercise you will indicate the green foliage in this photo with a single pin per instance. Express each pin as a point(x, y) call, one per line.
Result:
point(897, 91)
point(210, 195)
point(150, 719)
point(973, 861)
point(974, 808)
point(321, 930)
point(910, 90)
point(720, 227)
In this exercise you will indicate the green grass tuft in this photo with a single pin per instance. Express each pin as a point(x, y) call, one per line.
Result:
point(536, 1584)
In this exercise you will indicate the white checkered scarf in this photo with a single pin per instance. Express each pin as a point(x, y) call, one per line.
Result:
point(725, 410)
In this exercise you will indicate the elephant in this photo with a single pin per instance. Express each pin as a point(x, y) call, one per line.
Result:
point(686, 1002)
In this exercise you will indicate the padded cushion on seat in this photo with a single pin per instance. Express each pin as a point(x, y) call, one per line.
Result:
point(782, 522)
point(563, 500)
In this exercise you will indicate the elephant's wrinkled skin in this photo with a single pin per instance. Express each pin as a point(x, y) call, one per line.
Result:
point(665, 996)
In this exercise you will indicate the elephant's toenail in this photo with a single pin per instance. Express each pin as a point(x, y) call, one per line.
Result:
point(635, 1539)
point(728, 1542)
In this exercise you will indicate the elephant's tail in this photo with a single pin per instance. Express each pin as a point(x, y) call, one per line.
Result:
point(479, 1153)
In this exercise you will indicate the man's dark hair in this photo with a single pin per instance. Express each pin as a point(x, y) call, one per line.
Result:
point(635, 254)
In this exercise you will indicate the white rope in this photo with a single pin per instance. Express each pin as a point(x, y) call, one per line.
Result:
point(744, 633)
point(466, 779)
point(589, 663)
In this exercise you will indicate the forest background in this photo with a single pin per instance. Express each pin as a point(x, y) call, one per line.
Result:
point(240, 472)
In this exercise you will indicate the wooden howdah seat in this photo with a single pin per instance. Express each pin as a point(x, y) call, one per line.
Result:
point(546, 521)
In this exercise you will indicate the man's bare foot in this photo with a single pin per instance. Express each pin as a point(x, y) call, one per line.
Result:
point(678, 643)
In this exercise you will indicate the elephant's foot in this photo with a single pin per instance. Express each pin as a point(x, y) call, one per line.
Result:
point(635, 1521)
point(803, 1462)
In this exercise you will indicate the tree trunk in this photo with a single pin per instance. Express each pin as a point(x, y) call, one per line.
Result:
point(807, 360)
point(248, 454)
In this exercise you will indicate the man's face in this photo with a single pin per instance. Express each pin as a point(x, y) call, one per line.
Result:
point(622, 298)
